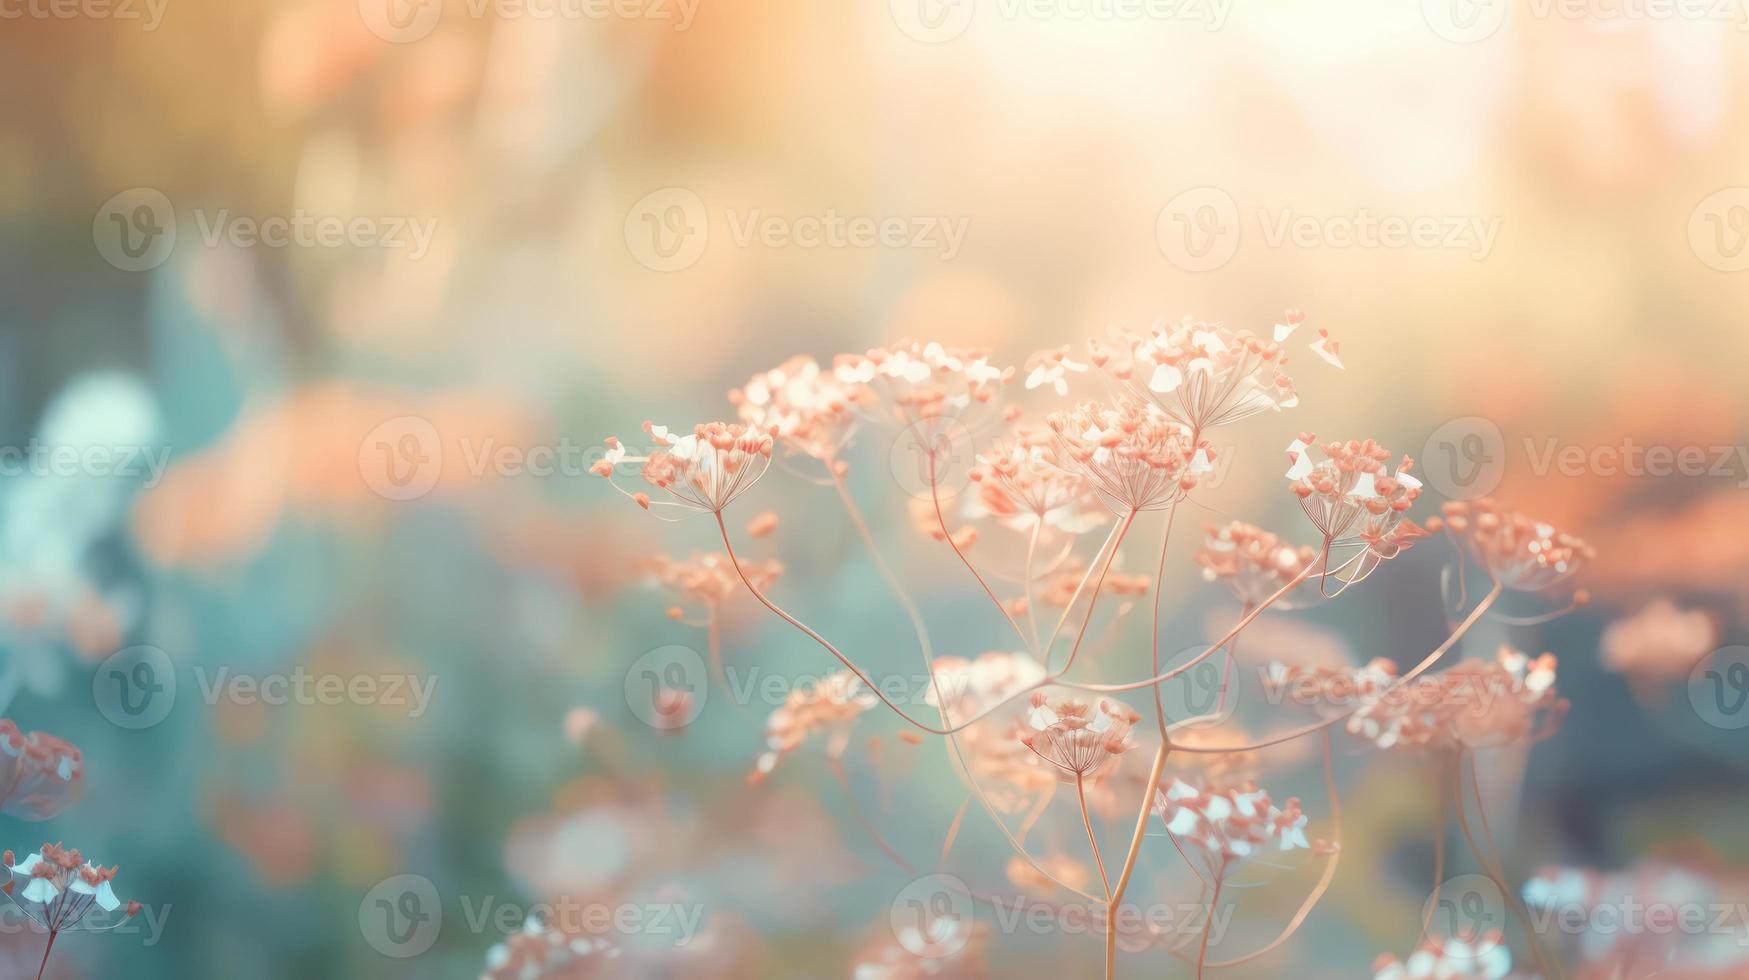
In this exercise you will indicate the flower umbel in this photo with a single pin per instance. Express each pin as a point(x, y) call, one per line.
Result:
point(1134, 455)
point(1201, 374)
point(1356, 501)
point(1252, 562)
point(1079, 742)
point(1518, 552)
point(807, 408)
point(57, 888)
point(40, 775)
point(703, 471)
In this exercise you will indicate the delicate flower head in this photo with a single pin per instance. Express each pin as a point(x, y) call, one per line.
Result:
point(1356, 501)
point(828, 706)
point(1051, 367)
point(1660, 640)
point(1020, 483)
point(538, 952)
point(40, 775)
point(1254, 563)
point(1067, 582)
point(1010, 774)
point(703, 471)
point(1483, 958)
point(1201, 374)
point(1078, 740)
point(1596, 898)
point(708, 578)
point(57, 888)
point(1229, 825)
point(806, 407)
point(920, 381)
point(1474, 704)
point(1132, 454)
point(1518, 552)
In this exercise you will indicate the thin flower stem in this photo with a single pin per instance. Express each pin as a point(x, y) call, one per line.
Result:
point(1093, 599)
point(1050, 642)
point(837, 767)
point(941, 519)
point(827, 645)
point(1497, 875)
point(953, 829)
point(1154, 770)
point(1324, 879)
point(1086, 821)
point(1243, 622)
point(1469, 759)
point(926, 649)
point(46, 951)
point(1209, 922)
point(1031, 615)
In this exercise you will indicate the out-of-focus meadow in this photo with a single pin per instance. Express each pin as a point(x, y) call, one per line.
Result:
point(314, 314)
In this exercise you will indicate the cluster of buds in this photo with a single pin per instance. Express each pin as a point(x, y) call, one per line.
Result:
point(924, 381)
point(57, 888)
point(807, 408)
point(40, 775)
point(1660, 641)
point(1052, 367)
point(703, 471)
point(1020, 483)
point(829, 706)
point(1518, 552)
point(1230, 825)
point(1134, 455)
point(1061, 586)
point(1253, 563)
point(1661, 891)
point(1355, 501)
point(1475, 704)
point(709, 578)
point(1484, 957)
point(1201, 374)
point(1078, 741)
point(537, 952)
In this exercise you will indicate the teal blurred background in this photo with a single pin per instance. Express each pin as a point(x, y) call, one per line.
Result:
point(533, 231)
